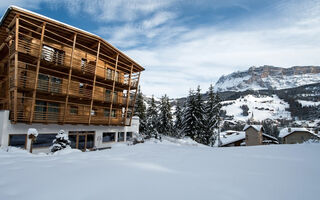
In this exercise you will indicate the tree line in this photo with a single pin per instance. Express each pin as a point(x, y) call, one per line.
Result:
point(198, 117)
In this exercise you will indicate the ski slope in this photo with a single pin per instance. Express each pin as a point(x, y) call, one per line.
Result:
point(164, 170)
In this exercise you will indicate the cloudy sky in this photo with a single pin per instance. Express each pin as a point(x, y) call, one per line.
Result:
point(185, 43)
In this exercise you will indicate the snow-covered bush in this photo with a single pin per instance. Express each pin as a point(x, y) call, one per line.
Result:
point(61, 142)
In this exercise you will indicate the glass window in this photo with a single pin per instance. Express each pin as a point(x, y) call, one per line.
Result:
point(44, 140)
point(56, 84)
point(81, 88)
point(18, 140)
point(73, 140)
point(106, 112)
point(117, 76)
point(83, 63)
point(108, 95)
point(113, 114)
point(109, 74)
point(90, 141)
point(94, 112)
point(73, 110)
point(129, 135)
point(40, 110)
point(120, 136)
point(109, 137)
point(53, 111)
point(43, 82)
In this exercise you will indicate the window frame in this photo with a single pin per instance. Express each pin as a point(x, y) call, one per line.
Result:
point(114, 140)
point(25, 140)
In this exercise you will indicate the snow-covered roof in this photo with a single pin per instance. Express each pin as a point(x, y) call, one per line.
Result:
point(269, 136)
point(256, 127)
point(230, 136)
point(287, 131)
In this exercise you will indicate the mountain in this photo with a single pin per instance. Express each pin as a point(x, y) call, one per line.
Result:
point(268, 78)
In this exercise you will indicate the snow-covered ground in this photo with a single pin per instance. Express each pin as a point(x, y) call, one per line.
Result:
point(308, 103)
point(167, 170)
point(262, 107)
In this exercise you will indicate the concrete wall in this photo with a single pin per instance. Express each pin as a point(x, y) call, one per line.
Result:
point(297, 137)
point(253, 137)
point(7, 128)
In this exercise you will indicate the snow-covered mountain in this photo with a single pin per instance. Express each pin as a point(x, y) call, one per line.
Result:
point(268, 78)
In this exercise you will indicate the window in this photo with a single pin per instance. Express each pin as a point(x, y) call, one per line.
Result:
point(120, 136)
point(109, 74)
point(18, 140)
point(109, 137)
point(94, 112)
point(47, 110)
point(43, 82)
point(81, 88)
point(83, 63)
point(129, 135)
point(108, 95)
point(53, 111)
point(53, 55)
point(115, 97)
point(106, 112)
point(40, 110)
point(117, 76)
point(113, 114)
point(44, 140)
point(74, 110)
point(56, 84)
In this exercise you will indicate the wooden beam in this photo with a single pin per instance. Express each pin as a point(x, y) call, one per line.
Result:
point(134, 99)
point(94, 83)
point(113, 86)
point(15, 93)
point(37, 73)
point(69, 79)
point(128, 96)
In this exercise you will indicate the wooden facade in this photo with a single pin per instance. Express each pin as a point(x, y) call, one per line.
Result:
point(54, 73)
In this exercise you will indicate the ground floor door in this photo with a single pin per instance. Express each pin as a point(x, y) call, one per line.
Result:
point(82, 139)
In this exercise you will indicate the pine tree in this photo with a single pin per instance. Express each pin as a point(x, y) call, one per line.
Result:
point(152, 122)
point(61, 142)
point(189, 123)
point(177, 130)
point(212, 118)
point(200, 118)
point(165, 116)
point(140, 111)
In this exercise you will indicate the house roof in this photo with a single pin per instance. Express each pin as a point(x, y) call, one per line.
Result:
point(256, 127)
point(287, 131)
point(66, 26)
point(230, 136)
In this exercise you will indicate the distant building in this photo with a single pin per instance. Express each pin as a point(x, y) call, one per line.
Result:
point(251, 135)
point(255, 136)
point(296, 135)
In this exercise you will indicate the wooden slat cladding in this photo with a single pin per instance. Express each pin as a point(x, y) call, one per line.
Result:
point(58, 74)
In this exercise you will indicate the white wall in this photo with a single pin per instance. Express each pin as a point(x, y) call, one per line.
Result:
point(7, 128)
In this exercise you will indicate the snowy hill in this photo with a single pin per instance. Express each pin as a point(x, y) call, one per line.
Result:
point(268, 78)
point(259, 107)
point(161, 171)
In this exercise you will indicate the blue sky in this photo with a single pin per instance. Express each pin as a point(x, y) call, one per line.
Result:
point(185, 43)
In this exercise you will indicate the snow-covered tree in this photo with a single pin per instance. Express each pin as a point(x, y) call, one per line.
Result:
point(178, 124)
point(189, 123)
point(200, 118)
point(152, 119)
point(212, 116)
point(140, 111)
point(61, 142)
point(165, 116)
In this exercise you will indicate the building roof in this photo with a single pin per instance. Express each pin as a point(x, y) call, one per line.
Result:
point(256, 127)
point(67, 26)
point(230, 136)
point(287, 131)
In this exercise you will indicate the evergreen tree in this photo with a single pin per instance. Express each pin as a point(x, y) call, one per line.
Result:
point(152, 119)
point(212, 118)
point(199, 114)
point(178, 132)
point(165, 116)
point(140, 111)
point(189, 122)
point(61, 142)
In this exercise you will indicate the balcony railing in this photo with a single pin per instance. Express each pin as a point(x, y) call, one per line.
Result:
point(59, 57)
